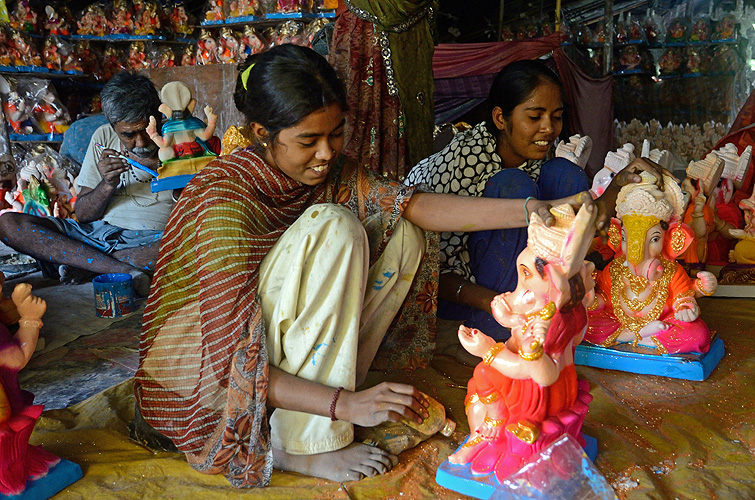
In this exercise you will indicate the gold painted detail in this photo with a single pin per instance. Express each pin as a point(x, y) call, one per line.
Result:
point(493, 352)
point(524, 431)
point(659, 290)
point(491, 422)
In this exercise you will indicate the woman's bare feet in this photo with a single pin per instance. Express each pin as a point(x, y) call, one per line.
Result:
point(352, 463)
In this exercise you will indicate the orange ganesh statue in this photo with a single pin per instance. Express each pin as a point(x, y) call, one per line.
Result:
point(524, 394)
point(644, 296)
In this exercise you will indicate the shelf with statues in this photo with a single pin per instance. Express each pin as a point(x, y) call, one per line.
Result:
point(267, 20)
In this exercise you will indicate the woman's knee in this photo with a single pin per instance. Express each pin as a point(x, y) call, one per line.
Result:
point(510, 183)
point(560, 177)
point(336, 220)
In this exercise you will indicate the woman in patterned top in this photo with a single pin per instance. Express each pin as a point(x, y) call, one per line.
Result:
point(280, 271)
point(502, 157)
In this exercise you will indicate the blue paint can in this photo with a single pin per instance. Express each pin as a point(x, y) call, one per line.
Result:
point(113, 295)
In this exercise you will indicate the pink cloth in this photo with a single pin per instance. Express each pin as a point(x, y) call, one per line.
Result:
point(452, 60)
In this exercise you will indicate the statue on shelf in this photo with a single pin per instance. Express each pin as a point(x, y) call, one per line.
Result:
point(525, 394)
point(122, 22)
point(243, 8)
point(93, 21)
point(676, 31)
point(165, 59)
point(20, 461)
point(670, 62)
point(56, 24)
point(644, 296)
point(24, 17)
point(147, 22)
point(188, 59)
point(725, 28)
point(52, 58)
point(207, 48)
point(51, 115)
point(137, 59)
point(744, 250)
point(180, 20)
point(111, 63)
point(700, 31)
point(288, 6)
point(24, 53)
point(251, 42)
point(214, 11)
point(228, 51)
point(187, 144)
point(17, 114)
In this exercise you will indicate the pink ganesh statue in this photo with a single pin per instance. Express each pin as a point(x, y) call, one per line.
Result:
point(644, 296)
point(18, 460)
point(524, 394)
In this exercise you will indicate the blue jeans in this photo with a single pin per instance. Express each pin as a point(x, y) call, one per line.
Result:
point(493, 253)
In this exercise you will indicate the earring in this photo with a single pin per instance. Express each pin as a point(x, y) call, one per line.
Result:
point(264, 144)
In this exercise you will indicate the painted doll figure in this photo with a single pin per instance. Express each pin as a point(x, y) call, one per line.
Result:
point(183, 135)
point(644, 296)
point(524, 394)
point(19, 461)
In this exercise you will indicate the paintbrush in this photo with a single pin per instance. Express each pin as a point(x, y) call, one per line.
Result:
point(131, 162)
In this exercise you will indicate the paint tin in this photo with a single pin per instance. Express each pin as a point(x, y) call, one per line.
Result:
point(113, 295)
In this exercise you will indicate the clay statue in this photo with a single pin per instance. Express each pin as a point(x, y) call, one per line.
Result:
point(744, 250)
point(187, 144)
point(644, 296)
point(577, 150)
point(525, 394)
point(18, 460)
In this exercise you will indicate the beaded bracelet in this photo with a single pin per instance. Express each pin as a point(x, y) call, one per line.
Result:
point(333, 404)
point(527, 212)
point(458, 290)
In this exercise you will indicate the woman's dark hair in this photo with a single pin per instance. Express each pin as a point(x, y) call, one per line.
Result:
point(514, 84)
point(286, 83)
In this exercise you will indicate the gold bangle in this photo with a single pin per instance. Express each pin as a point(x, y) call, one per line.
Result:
point(534, 355)
point(492, 353)
point(491, 422)
point(700, 287)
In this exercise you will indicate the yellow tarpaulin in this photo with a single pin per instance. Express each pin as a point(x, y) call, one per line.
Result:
point(658, 438)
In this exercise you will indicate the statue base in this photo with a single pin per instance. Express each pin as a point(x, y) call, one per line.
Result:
point(63, 474)
point(643, 360)
point(461, 479)
point(169, 183)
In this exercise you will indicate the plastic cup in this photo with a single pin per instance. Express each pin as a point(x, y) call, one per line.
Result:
point(113, 295)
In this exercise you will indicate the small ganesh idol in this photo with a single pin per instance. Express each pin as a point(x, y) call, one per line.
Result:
point(93, 21)
point(121, 20)
point(56, 23)
point(644, 296)
point(180, 20)
point(525, 394)
point(214, 11)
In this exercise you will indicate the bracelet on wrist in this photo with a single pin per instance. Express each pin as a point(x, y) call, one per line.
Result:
point(333, 404)
point(458, 290)
point(527, 212)
point(31, 322)
point(493, 352)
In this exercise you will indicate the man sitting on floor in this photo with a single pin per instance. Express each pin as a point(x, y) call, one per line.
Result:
point(120, 221)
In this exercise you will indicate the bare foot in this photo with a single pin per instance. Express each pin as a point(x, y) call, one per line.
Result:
point(352, 463)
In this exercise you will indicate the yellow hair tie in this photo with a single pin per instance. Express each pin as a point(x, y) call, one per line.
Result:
point(245, 75)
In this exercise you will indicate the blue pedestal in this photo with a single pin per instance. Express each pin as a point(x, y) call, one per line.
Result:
point(65, 473)
point(460, 478)
point(624, 357)
point(172, 182)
